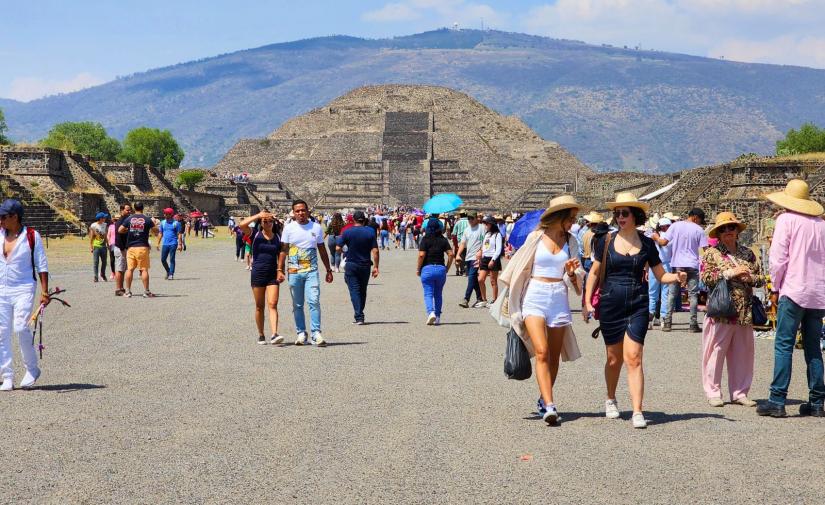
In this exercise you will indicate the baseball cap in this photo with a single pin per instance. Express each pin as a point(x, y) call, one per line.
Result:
point(168, 210)
point(101, 215)
point(665, 222)
point(472, 214)
point(358, 216)
point(489, 220)
point(11, 206)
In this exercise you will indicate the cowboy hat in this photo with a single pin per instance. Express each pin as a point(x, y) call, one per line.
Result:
point(560, 203)
point(626, 199)
point(722, 219)
point(796, 198)
point(670, 215)
point(594, 217)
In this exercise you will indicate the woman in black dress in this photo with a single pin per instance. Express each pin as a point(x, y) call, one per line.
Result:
point(624, 299)
point(266, 245)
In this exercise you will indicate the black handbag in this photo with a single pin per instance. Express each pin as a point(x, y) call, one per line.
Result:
point(720, 303)
point(758, 312)
point(516, 358)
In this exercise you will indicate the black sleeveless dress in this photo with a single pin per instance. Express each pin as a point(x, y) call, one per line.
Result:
point(624, 296)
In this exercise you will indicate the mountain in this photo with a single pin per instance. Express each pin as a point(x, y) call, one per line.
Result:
point(614, 108)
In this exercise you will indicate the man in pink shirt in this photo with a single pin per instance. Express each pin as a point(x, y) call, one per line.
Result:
point(797, 261)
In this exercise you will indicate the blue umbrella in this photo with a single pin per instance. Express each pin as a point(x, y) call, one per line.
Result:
point(524, 226)
point(443, 202)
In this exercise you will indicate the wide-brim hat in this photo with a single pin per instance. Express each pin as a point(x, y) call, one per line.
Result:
point(509, 219)
point(797, 198)
point(561, 203)
point(722, 219)
point(670, 215)
point(626, 199)
point(594, 217)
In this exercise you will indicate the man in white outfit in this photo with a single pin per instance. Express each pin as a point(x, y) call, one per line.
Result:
point(18, 286)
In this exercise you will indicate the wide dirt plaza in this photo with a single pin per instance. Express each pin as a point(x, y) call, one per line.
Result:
point(170, 400)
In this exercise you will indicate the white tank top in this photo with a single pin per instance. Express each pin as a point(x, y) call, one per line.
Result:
point(547, 264)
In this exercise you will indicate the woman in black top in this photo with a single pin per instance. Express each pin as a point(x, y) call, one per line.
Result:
point(266, 245)
point(432, 270)
point(624, 299)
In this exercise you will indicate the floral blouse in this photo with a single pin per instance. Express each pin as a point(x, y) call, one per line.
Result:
point(715, 261)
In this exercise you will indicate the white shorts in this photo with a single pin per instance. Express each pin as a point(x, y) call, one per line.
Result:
point(549, 301)
point(120, 259)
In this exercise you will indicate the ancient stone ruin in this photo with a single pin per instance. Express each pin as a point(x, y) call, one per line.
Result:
point(399, 144)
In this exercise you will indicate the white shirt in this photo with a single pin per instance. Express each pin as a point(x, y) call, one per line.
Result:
point(305, 236)
point(491, 247)
point(16, 270)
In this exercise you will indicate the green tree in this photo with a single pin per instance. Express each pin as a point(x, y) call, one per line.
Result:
point(190, 178)
point(808, 139)
point(84, 137)
point(3, 127)
point(151, 146)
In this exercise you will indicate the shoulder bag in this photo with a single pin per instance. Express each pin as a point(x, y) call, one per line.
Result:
point(596, 297)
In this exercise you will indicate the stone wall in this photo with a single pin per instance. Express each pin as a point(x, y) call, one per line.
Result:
point(205, 202)
point(125, 173)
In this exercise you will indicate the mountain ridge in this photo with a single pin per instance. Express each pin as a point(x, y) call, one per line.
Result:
point(614, 108)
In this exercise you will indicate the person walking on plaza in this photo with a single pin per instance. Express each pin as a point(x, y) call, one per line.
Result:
point(111, 235)
point(240, 250)
point(23, 264)
point(625, 255)
point(432, 269)
point(98, 233)
point(119, 249)
point(334, 230)
point(538, 277)
point(170, 238)
point(489, 258)
point(457, 234)
point(471, 242)
point(266, 276)
point(731, 339)
point(361, 244)
point(659, 294)
point(686, 239)
point(137, 228)
point(302, 242)
point(797, 260)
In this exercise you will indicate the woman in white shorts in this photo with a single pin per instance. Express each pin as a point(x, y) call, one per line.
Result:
point(544, 307)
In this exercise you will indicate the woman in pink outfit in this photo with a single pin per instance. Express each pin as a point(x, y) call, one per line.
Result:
point(731, 339)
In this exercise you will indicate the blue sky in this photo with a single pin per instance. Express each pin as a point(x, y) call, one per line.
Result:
point(51, 46)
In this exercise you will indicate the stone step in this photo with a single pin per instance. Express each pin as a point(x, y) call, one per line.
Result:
point(379, 176)
point(358, 187)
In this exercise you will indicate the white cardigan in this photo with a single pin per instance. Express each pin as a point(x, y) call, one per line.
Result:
point(516, 276)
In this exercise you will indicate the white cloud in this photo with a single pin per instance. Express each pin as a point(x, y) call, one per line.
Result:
point(768, 31)
point(440, 12)
point(788, 50)
point(32, 88)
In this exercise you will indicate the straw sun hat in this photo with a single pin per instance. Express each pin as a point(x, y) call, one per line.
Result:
point(722, 219)
point(560, 203)
point(628, 200)
point(796, 198)
point(594, 217)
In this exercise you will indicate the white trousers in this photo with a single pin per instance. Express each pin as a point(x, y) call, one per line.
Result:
point(15, 310)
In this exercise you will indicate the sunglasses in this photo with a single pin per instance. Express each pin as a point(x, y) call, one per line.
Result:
point(267, 221)
point(621, 213)
point(728, 227)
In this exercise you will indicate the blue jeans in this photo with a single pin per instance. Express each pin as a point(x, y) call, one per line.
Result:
point(168, 251)
point(306, 286)
point(335, 256)
point(357, 278)
point(693, 295)
point(658, 292)
point(433, 278)
point(100, 255)
point(385, 239)
point(789, 316)
point(472, 281)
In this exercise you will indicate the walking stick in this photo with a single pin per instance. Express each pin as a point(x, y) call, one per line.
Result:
point(37, 317)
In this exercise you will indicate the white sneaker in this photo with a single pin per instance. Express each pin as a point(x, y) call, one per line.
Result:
point(276, 339)
point(29, 379)
point(318, 339)
point(639, 421)
point(431, 319)
point(480, 304)
point(302, 338)
point(437, 321)
point(8, 384)
point(551, 415)
point(611, 409)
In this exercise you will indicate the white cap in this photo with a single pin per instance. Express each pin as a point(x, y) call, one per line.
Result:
point(665, 222)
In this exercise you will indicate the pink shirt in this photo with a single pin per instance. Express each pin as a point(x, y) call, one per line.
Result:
point(110, 234)
point(798, 259)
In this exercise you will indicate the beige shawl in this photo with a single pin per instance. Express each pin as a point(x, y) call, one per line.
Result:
point(516, 276)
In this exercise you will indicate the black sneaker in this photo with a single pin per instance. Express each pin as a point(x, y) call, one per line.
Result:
point(806, 409)
point(667, 326)
point(261, 340)
point(464, 303)
point(695, 328)
point(771, 409)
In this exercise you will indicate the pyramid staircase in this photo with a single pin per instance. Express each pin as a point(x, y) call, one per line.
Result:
point(47, 220)
point(362, 186)
point(447, 176)
point(541, 193)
